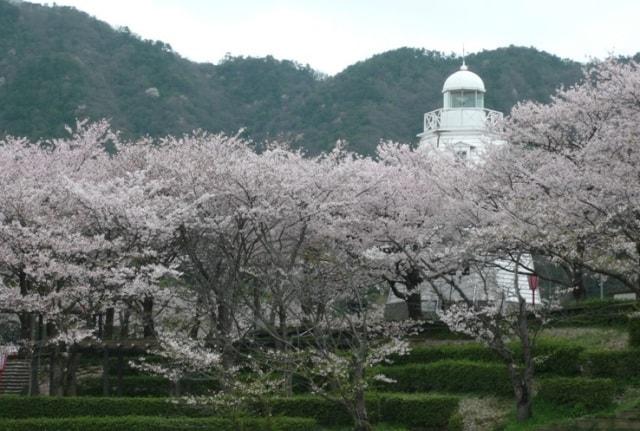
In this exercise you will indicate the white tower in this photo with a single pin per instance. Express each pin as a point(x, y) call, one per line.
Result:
point(462, 126)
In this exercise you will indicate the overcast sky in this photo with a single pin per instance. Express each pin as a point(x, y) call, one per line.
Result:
point(329, 35)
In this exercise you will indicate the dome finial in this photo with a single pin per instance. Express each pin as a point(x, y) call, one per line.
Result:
point(464, 65)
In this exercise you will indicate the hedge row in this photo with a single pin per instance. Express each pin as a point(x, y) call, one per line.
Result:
point(145, 386)
point(591, 394)
point(616, 364)
point(556, 357)
point(426, 354)
point(552, 356)
point(595, 313)
point(13, 407)
point(142, 423)
point(449, 376)
point(430, 411)
point(411, 410)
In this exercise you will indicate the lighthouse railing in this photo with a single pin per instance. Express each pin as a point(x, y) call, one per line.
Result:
point(461, 118)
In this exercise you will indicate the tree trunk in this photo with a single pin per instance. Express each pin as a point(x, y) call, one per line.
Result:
point(282, 346)
point(257, 308)
point(100, 320)
point(106, 387)
point(34, 381)
point(361, 417)
point(223, 327)
point(120, 372)
point(70, 378)
point(524, 405)
point(25, 317)
point(523, 383)
point(147, 317)
point(124, 324)
point(579, 290)
point(55, 372)
point(108, 323)
point(414, 305)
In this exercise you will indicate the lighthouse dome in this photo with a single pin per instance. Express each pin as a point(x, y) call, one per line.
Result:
point(463, 79)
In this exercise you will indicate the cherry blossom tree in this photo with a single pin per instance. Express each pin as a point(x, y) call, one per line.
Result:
point(573, 190)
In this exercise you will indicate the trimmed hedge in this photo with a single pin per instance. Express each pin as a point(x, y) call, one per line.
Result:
point(145, 386)
point(430, 411)
point(448, 376)
point(423, 411)
point(592, 394)
point(595, 313)
point(556, 357)
point(411, 410)
point(617, 364)
point(142, 423)
point(14, 407)
point(427, 354)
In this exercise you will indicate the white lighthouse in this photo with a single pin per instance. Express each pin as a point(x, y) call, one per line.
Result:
point(465, 128)
point(463, 125)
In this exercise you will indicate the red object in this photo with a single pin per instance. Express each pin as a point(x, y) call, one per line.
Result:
point(533, 285)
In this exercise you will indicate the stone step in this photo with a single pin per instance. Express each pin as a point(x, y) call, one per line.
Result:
point(15, 377)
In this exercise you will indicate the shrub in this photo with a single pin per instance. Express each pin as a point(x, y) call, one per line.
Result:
point(595, 313)
point(426, 354)
point(325, 411)
point(616, 364)
point(145, 386)
point(449, 376)
point(427, 411)
point(556, 357)
point(552, 356)
point(592, 394)
point(430, 411)
point(423, 411)
point(634, 330)
point(142, 423)
point(12, 407)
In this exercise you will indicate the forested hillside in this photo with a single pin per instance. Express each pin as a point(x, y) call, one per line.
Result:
point(58, 64)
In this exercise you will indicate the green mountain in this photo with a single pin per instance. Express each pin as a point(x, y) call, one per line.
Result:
point(58, 64)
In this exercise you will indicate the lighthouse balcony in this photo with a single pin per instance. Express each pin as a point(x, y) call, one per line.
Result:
point(461, 119)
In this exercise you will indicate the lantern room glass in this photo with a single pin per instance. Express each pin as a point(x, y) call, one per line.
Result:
point(466, 99)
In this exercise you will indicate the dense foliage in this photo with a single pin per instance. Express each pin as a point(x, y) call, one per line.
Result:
point(144, 423)
point(578, 392)
point(454, 376)
point(14, 407)
point(145, 386)
point(617, 364)
point(58, 64)
point(429, 411)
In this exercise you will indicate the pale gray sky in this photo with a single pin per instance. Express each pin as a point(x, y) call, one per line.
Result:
point(332, 34)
